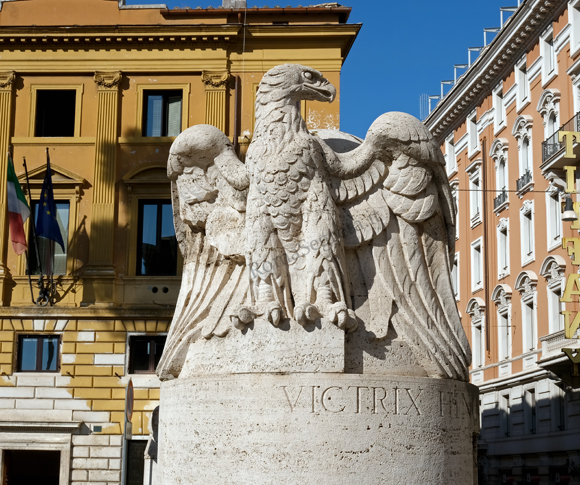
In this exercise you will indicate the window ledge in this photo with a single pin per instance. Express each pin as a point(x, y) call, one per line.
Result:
point(476, 289)
point(522, 104)
point(549, 78)
point(68, 140)
point(525, 189)
point(475, 151)
point(556, 244)
point(525, 262)
point(499, 128)
point(502, 207)
point(146, 140)
point(476, 220)
point(452, 172)
point(501, 276)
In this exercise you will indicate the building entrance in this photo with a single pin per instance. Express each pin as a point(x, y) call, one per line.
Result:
point(31, 467)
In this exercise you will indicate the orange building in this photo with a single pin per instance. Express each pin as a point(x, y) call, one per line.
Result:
point(498, 127)
point(106, 87)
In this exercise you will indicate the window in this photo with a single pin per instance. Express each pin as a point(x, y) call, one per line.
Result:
point(55, 112)
point(552, 125)
point(522, 131)
point(144, 353)
point(499, 109)
point(455, 276)
point(450, 159)
point(523, 85)
point(574, 19)
point(527, 232)
point(503, 249)
point(505, 414)
point(554, 215)
point(553, 269)
point(499, 153)
point(529, 325)
point(475, 196)
point(473, 139)
point(157, 244)
point(162, 113)
point(476, 266)
point(530, 408)
point(46, 247)
point(502, 175)
point(475, 308)
point(526, 284)
point(502, 296)
point(38, 353)
point(526, 165)
point(549, 108)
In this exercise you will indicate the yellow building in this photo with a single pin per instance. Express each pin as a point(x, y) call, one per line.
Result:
point(106, 87)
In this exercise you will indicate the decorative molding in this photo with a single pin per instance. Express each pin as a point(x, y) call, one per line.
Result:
point(215, 79)
point(548, 102)
point(527, 206)
point(522, 126)
point(108, 80)
point(553, 268)
point(526, 283)
point(499, 147)
point(476, 309)
point(7, 80)
point(502, 295)
point(503, 224)
point(494, 63)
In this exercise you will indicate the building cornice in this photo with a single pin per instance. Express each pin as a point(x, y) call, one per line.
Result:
point(493, 64)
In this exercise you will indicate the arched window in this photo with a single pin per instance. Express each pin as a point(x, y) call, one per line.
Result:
point(552, 124)
point(522, 131)
point(553, 269)
point(526, 284)
point(525, 155)
point(476, 309)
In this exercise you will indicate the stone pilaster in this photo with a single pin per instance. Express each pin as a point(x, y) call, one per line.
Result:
point(6, 96)
point(103, 208)
point(216, 85)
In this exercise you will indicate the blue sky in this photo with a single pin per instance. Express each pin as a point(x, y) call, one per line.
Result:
point(404, 49)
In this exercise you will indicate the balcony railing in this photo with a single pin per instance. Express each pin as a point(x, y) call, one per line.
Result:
point(524, 180)
point(500, 199)
point(552, 145)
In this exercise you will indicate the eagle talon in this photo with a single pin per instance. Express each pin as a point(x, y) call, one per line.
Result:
point(306, 312)
point(243, 317)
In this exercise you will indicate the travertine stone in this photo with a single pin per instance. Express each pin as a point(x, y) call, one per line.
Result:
point(317, 428)
point(316, 338)
point(290, 347)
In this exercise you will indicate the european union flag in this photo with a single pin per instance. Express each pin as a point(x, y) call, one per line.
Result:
point(46, 222)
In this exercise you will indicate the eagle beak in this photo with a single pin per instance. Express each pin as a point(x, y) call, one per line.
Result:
point(323, 91)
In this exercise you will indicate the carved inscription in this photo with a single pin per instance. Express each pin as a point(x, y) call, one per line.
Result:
point(395, 401)
point(400, 401)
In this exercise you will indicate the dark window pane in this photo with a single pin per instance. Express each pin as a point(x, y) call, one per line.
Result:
point(28, 349)
point(157, 244)
point(49, 353)
point(55, 112)
point(140, 355)
point(45, 246)
point(159, 346)
point(162, 113)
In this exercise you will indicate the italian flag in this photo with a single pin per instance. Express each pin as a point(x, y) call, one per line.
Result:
point(18, 210)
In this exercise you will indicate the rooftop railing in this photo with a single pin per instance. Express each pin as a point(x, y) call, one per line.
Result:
point(552, 146)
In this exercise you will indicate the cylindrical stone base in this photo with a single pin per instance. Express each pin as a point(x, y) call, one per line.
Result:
point(317, 429)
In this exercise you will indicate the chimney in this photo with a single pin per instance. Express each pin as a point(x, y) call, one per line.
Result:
point(234, 3)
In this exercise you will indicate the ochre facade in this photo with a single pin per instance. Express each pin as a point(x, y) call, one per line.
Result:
point(110, 55)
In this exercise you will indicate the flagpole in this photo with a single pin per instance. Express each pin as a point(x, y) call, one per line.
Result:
point(52, 246)
point(33, 228)
point(10, 154)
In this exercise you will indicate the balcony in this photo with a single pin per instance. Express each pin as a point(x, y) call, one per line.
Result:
point(552, 146)
point(500, 200)
point(524, 180)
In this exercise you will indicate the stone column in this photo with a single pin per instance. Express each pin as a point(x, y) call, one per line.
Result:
point(6, 94)
point(103, 208)
point(216, 84)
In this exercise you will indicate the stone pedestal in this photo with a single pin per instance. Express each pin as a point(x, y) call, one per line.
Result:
point(319, 428)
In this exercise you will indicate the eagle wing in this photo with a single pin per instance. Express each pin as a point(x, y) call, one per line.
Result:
point(208, 189)
point(398, 215)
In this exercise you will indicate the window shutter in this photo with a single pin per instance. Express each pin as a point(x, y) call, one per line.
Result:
point(173, 115)
point(154, 115)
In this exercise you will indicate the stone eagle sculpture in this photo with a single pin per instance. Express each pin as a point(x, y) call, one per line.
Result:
point(276, 237)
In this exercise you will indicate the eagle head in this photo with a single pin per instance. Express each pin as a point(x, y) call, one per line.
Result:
point(296, 83)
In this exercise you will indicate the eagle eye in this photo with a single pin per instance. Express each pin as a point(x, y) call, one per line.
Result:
point(308, 75)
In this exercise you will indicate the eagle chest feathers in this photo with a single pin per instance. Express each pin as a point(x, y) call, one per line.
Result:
point(284, 174)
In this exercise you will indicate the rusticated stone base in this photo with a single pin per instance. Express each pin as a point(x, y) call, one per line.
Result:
point(317, 429)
